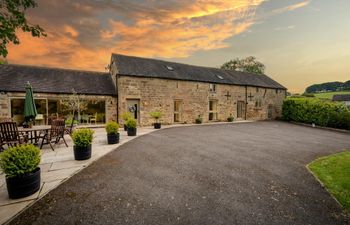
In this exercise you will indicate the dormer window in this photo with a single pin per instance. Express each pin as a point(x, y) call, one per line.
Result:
point(212, 87)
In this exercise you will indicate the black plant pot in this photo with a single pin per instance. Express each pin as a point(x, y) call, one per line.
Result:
point(125, 128)
point(24, 185)
point(82, 153)
point(132, 131)
point(157, 125)
point(113, 138)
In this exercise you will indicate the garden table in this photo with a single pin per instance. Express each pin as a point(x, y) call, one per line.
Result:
point(33, 133)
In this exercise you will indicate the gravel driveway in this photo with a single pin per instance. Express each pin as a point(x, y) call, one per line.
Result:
point(247, 173)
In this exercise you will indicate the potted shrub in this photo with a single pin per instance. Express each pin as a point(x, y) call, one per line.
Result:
point(125, 116)
point(82, 139)
point(131, 124)
point(112, 132)
point(230, 118)
point(199, 120)
point(21, 166)
point(156, 116)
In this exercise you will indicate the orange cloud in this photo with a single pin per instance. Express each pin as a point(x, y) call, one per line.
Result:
point(292, 7)
point(176, 31)
point(57, 50)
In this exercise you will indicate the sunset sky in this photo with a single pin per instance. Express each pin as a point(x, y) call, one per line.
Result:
point(301, 42)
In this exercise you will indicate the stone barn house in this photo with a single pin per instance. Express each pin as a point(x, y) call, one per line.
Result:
point(140, 86)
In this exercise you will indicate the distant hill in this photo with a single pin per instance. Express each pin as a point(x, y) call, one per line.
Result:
point(329, 94)
point(329, 86)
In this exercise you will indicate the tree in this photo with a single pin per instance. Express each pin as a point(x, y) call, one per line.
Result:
point(249, 64)
point(12, 17)
point(75, 103)
point(329, 86)
point(3, 61)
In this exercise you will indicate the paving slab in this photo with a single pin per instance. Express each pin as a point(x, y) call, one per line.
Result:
point(57, 166)
point(8, 211)
point(48, 186)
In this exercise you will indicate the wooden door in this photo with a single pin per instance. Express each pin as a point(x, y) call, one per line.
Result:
point(241, 109)
point(269, 111)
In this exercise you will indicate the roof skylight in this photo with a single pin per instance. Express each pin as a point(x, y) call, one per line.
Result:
point(170, 68)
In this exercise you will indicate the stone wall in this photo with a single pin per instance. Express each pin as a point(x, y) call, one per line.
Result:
point(159, 95)
point(111, 102)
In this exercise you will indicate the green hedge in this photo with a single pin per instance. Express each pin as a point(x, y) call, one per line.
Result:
point(322, 113)
point(83, 137)
point(19, 160)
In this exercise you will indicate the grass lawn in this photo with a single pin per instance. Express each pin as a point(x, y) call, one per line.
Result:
point(329, 95)
point(334, 172)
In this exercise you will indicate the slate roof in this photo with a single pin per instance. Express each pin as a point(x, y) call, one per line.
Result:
point(343, 98)
point(54, 80)
point(145, 67)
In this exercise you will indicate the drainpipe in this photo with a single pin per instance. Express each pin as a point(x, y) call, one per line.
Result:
point(246, 102)
point(116, 87)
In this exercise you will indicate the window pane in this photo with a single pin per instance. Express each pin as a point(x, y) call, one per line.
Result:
point(212, 87)
point(176, 106)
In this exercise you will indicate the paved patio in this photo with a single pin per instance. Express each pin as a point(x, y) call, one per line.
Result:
point(59, 165)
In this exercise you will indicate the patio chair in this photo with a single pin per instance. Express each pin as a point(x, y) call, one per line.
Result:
point(69, 129)
point(93, 118)
point(55, 134)
point(10, 135)
point(85, 118)
point(1, 144)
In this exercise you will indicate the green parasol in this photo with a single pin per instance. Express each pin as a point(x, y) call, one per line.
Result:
point(29, 104)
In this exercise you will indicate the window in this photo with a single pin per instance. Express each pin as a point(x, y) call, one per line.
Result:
point(276, 91)
point(177, 109)
point(213, 110)
point(212, 87)
point(258, 103)
point(257, 89)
